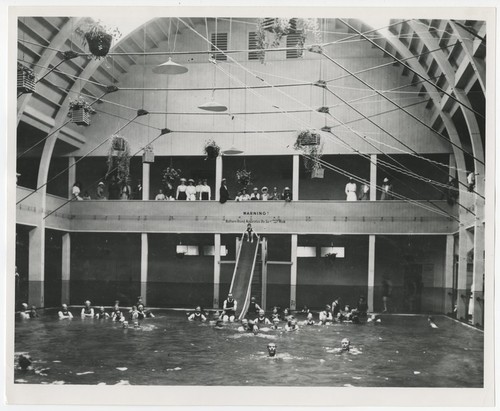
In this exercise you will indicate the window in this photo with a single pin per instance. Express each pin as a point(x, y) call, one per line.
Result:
point(338, 251)
point(220, 41)
point(294, 40)
point(306, 251)
point(252, 45)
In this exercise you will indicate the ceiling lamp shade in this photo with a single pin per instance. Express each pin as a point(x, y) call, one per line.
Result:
point(232, 151)
point(213, 106)
point(169, 67)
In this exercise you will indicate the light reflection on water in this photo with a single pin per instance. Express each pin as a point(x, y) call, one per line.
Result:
point(167, 350)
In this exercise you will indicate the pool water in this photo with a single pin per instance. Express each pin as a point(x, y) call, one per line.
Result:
point(401, 351)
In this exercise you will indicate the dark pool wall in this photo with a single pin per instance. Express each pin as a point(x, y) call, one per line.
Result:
point(320, 281)
point(179, 282)
point(415, 267)
point(105, 267)
point(53, 268)
point(22, 262)
point(278, 275)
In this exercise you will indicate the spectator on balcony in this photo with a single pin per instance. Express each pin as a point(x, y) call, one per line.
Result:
point(206, 191)
point(125, 191)
point(275, 195)
point(114, 189)
point(198, 190)
point(287, 194)
point(75, 191)
point(238, 196)
point(264, 195)
point(244, 195)
point(364, 194)
point(386, 190)
point(86, 196)
point(350, 190)
point(99, 192)
point(138, 190)
point(169, 191)
point(160, 196)
point(191, 190)
point(181, 190)
point(223, 192)
point(255, 194)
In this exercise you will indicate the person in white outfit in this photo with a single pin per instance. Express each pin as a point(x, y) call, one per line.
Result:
point(191, 190)
point(350, 190)
point(206, 192)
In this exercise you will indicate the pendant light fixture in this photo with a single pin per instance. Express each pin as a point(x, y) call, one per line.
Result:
point(232, 151)
point(170, 67)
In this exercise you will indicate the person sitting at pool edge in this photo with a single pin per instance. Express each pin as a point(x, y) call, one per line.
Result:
point(64, 313)
point(87, 310)
point(253, 306)
point(117, 314)
point(197, 315)
point(262, 319)
point(101, 314)
point(271, 349)
point(229, 308)
point(133, 313)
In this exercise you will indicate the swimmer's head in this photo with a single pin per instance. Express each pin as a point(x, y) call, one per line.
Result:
point(276, 321)
point(125, 324)
point(65, 306)
point(198, 309)
point(136, 324)
point(101, 308)
point(346, 344)
point(252, 299)
point(87, 303)
point(33, 308)
point(261, 313)
point(140, 307)
point(25, 306)
point(275, 310)
point(271, 349)
point(310, 316)
point(244, 321)
point(328, 308)
point(134, 308)
point(230, 296)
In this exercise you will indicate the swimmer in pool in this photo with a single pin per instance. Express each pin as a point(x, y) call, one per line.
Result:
point(430, 320)
point(345, 344)
point(197, 315)
point(276, 324)
point(117, 314)
point(325, 316)
point(309, 320)
point(87, 310)
point(230, 306)
point(262, 319)
point(133, 313)
point(373, 318)
point(248, 326)
point(125, 324)
point(32, 312)
point(101, 314)
point(292, 325)
point(142, 313)
point(24, 312)
point(64, 313)
point(253, 307)
point(275, 314)
point(271, 349)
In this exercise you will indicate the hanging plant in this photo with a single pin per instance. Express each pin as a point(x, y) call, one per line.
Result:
point(211, 149)
point(97, 36)
point(26, 79)
point(270, 31)
point(119, 160)
point(307, 138)
point(170, 175)
point(243, 177)
point(80, 111)
point(148, 156)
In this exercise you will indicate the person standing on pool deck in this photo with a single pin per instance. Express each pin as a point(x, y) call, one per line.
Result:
point(87, 310)
point(64, 313)
point(386, 292)
point(230, 306)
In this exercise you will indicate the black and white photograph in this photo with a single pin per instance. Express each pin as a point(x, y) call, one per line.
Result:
point(206, 198)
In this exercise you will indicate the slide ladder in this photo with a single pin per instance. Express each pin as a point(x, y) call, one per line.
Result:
point(243, 273)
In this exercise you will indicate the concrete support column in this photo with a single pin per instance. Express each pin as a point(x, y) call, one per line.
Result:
point(452, 172)
point(144, 266)
point(66, 268)
point(71, 176)
point(293, 274)
point(36, 272)
point(145, 185)
point(218, 176)
point(371, 272)
point(477, 288)
point(449, 266)
point(217, 244)
point(295, 177)
point(263, 300)
point(462, 291)
point(373, 177)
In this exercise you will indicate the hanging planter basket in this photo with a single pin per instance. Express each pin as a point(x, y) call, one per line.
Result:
point(99, 43)
point(148, 156)
point(308, 138)
point(25, 79)
point(118, 143)
point(80, 111)
point(211, 150)
point(318, 172)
